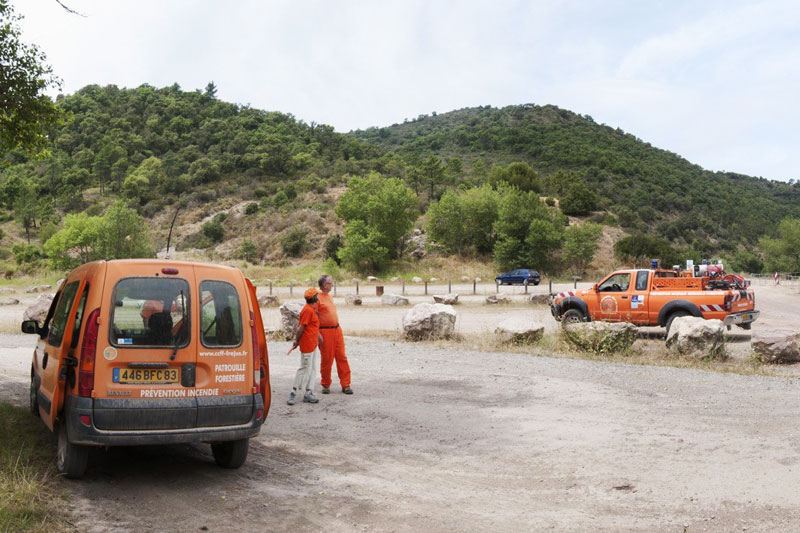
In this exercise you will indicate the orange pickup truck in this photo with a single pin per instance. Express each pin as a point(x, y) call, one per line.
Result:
point(655, 297)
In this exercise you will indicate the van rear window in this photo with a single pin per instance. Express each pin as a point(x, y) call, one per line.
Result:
point(150, 312)
point(221, 316)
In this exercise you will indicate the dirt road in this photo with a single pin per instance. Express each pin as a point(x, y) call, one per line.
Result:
point(443, 440)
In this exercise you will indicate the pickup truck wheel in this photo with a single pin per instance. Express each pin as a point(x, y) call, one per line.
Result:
point(71, 459)
point(672, 317)
point(34, 394)
point(230, 454)
point(572, 316)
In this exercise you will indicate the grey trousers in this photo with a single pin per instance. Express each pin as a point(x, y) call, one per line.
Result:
point(309, 367)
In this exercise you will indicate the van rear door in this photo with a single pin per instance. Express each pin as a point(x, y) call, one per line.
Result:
point(225, 370)
point(145, 364)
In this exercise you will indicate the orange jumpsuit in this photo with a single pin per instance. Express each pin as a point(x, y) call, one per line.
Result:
point(333, 343)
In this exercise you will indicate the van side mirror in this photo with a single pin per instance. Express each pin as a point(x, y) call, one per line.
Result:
point(31, 326)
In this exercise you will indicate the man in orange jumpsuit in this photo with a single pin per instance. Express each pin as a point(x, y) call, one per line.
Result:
point(333, 346)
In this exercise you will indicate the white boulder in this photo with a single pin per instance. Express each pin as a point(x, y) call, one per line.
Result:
point(393, 299)
point(697, 337)
point(519, 331)
point(496, 299)
point(416, 279)
point(446, 299)
point(601, 337)
point(290, 318)
point(429, 321)
point(38, 311)
point(352, 299)
point(776, 345)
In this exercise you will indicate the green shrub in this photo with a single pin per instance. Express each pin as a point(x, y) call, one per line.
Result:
point(293, 241)
point(248, 251)
point(27, 254)
point(332, 245)
point(251, 208)
point(213, 230)
point(195, 240)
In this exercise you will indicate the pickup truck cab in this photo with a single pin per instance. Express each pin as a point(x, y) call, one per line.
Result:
point(151, 352)
point(654, 297)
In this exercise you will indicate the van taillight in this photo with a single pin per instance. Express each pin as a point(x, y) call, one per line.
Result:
point(256, 350)
point(88, 349)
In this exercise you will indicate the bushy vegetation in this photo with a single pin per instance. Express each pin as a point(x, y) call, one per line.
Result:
point(156, 147)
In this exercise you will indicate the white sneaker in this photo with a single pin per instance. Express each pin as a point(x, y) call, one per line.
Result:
point(292, 396)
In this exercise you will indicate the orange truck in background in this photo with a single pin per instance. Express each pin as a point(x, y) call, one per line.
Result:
point(654, 297)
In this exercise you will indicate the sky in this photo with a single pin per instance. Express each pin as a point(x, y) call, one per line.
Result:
point(717, 82)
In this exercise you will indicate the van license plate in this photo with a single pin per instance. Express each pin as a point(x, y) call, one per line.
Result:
point(147, 376)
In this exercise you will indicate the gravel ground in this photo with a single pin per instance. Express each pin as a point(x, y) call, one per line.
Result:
point(454, 440)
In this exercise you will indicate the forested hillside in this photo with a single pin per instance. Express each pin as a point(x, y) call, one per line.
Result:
point(261, 185)
point(648, 189)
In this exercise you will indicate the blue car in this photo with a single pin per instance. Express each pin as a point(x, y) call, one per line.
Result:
point(520, 276)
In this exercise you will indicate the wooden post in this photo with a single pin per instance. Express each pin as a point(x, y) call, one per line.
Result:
point(334, 290)
point(403, 291)
point(551, 286)
point(449, 286)
point(270, 288)
point(526, 288)
point(474, 287)
point(356, 291)
point(426, 288)
point(290, 288)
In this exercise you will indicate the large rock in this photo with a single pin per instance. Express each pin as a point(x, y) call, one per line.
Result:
point(776, 345)
point(395, 278)
point(416, 279)
point(496, 299)
point(352, 299)
point(9, 301)
point(371, 278)
point(539, 299)
point(697, 337)
point(601, 337)
point(38, 311)
point(290, 318)
point(393, 299)
point(268, 300)
point(429, 321)
point(465, 278)
point(519, 331)
point(446, 299)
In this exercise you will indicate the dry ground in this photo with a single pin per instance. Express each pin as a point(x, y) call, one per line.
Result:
point(456, 439)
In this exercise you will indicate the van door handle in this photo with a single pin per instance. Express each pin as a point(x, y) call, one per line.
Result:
point(44, 360)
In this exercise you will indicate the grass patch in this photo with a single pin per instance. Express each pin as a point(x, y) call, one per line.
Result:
point(28, 497)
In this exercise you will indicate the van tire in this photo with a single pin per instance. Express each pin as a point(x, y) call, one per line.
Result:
point(34, 394)
point(71, 459)
point(230, 454)
point(673, 316)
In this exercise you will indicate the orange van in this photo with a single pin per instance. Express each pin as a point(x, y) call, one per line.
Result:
point(147, 351)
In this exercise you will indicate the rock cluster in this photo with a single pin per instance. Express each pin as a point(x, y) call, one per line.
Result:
point(352, 299)
point(268, 300)
point(496, 299)
point(446, 299)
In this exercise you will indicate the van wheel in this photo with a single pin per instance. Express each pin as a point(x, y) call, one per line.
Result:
point(572, 316)
point(34, 394)
point(230, 454)
point(672, 317)
point(71, 459)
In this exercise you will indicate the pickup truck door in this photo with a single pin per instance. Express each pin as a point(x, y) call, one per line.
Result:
point(638, 299)
point(613, 297)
